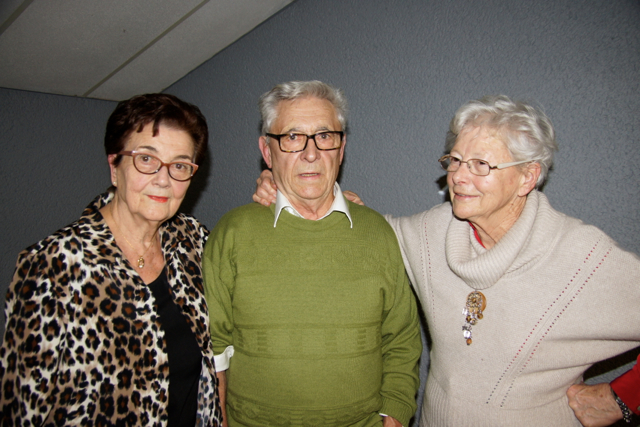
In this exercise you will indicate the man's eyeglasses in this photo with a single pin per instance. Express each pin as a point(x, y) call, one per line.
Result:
point(294, 142)
point(148, 165)
point(476, 166)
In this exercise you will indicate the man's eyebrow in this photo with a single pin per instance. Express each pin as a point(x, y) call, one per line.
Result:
point(318, 129)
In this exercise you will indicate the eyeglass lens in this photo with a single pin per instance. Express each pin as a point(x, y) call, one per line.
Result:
point(298, 141)
point(476, 166)
point(148, 164)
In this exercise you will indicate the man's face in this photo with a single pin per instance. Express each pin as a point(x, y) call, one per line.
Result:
point(307, 177)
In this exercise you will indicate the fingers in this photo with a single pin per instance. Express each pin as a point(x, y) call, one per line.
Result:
point(594, 405)
point(265, 189)
point(353, 197)
point(260, 200)
point(572, 391)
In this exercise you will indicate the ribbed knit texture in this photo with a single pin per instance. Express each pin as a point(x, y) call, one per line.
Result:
point(321, 316)
point(560, 297)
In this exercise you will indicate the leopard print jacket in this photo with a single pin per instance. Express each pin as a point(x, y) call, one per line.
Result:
point(83, 344)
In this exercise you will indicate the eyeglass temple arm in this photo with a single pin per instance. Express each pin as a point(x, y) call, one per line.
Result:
point(507, 165)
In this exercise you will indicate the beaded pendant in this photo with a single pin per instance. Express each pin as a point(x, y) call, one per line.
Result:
point(476, 303)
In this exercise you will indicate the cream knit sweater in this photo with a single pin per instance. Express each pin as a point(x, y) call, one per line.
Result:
point(561, 295)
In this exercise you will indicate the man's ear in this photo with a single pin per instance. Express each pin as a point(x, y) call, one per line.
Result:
point(344, 143)
point(530, 178)
point(265, 149)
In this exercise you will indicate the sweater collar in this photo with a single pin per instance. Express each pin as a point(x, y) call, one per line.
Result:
point(481, 268)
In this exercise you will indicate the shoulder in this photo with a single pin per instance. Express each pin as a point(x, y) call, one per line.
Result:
point(184, 231)
point(66, 240)
point(367, 217)
point(56, 259)
point(365, 212)
point(188, 224)
point(250, 209)
point(575, 235)
point(571, 230)
point(246, 215)
point(243, 222)
point(434, 218)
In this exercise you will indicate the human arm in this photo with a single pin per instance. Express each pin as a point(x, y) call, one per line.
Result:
point(390, 422)
point(217, 274)
point(627, 387)
point(401, 349)
point(34, 339)
point(222, 395)
point(594, 405)
point(265, 189)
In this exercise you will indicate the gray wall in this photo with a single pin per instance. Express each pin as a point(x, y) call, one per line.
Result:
point(53, 165)
point(406, 66)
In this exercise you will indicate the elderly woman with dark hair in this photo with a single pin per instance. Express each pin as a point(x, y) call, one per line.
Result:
point(519, 299)
point(107, 323)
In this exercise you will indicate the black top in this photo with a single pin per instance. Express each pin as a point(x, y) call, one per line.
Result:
point(185, 358)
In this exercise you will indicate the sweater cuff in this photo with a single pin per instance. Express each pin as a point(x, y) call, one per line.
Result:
point(628, 393)
point(222, 360)
point(626, 387)
point(398, 410)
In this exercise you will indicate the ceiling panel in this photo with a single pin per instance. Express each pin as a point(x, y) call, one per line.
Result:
point(117, 48)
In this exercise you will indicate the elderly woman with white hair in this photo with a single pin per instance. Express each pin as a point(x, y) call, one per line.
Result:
point(520, 299)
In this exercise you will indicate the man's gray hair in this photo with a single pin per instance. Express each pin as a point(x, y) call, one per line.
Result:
point(528, 132)
point(296, 90)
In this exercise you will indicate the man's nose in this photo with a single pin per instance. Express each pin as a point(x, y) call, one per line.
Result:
point(311, 151)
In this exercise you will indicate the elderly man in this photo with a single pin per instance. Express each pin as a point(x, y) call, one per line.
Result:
point(312, 316)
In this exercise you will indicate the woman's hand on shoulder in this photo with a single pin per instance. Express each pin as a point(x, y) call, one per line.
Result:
point(265, 189)
point(353, 197)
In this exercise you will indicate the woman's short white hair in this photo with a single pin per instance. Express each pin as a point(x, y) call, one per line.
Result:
point(295, 90)
point(528, 132)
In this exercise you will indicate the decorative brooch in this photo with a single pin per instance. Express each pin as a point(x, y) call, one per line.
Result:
point(476, 303)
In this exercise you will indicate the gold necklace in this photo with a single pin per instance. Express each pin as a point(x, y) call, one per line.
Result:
point(141, 259)
point(476, 303)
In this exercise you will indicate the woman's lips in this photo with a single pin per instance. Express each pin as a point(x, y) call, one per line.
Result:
point(159, 199)
point(463, 196)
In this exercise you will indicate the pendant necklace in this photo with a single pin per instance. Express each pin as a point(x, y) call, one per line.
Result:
point(141, 259)
point(476, 303)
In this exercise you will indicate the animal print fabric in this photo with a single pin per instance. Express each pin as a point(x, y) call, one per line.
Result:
point(83, 344)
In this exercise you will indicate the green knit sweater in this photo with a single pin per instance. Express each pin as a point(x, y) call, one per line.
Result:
point(321, 316)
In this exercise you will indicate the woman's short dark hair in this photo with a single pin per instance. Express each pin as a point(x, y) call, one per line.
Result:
point(134, 114)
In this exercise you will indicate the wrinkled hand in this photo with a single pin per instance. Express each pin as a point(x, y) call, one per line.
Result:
point(265, 189)
point(594, 405)
point(353, 197)
point(390, 422)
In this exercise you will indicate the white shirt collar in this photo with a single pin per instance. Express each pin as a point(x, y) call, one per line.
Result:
point(339, 205)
